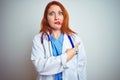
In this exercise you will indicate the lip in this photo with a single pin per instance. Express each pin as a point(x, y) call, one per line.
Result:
point(57, 22)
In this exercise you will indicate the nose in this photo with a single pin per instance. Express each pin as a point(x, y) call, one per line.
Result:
point(56, 17)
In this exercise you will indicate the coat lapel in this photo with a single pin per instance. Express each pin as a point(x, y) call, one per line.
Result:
point(66, 44)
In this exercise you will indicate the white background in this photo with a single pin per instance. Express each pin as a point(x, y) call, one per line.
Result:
point(96, 21)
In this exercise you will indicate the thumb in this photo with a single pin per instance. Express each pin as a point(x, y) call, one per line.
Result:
point(76, 46)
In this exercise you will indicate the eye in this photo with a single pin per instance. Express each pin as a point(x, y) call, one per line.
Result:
point(60, 13)
point(51, 13)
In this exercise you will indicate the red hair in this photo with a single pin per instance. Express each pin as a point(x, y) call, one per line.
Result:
point(65, 26)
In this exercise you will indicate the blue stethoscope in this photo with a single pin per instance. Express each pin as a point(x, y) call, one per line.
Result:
point(68, 38)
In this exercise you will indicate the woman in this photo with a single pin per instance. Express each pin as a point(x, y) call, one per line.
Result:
point(57, 52)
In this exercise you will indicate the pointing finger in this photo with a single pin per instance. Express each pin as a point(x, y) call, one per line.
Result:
point(76, 46)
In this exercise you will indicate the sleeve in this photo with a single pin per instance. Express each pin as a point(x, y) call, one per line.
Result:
point(46, 65)
point(82, 60)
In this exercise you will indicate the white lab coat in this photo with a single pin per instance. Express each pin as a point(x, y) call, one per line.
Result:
point(47, 65)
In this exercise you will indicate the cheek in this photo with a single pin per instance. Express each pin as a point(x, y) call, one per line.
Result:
point(62, 19)
point(50, 19)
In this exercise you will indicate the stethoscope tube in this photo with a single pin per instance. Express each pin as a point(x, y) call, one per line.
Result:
point(69, 37)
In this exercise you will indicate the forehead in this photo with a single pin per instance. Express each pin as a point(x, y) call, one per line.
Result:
point(54, 8)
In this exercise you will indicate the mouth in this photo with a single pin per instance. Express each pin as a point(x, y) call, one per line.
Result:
point(57, 22)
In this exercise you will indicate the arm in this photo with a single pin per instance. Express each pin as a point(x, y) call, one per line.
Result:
point(82, 59)
point(46, 66)
point(71, 52)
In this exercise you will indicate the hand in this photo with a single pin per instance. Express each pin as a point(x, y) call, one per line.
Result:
point(71, 52)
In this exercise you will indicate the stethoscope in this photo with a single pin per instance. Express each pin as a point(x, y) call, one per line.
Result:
point(69, 37)
point(49, 42)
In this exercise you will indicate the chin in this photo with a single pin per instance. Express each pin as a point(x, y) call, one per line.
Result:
point(56, 28)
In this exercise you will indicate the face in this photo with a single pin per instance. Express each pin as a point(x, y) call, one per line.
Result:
point(55, 17)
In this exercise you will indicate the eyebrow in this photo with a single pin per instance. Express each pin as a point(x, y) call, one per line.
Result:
point(54, 11)
point(51, 12)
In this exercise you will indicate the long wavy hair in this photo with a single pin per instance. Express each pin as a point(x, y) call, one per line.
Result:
point(45, 27)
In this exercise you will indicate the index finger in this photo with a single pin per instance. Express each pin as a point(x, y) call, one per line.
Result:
point(76, 46)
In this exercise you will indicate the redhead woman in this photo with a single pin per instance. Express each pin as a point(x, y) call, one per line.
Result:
point(58, 52)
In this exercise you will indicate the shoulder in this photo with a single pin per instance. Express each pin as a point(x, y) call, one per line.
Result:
point(76, 37)
point(37, 36)
point(40, 37)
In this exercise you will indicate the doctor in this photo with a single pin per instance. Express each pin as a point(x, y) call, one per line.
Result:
point(57, 51)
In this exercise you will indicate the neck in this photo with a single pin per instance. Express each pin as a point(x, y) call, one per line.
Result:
point(56, 34)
